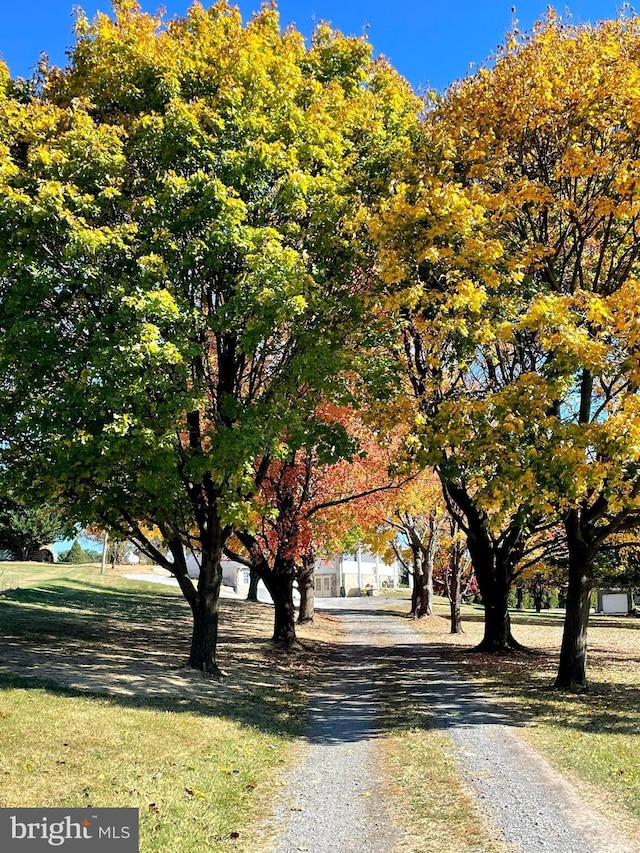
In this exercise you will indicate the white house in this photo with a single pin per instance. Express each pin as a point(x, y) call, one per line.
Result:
point(350, 574)
point(235, 576)
point(342, 574)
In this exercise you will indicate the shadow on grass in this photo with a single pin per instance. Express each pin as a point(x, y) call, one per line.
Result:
point(74, 595)
point(83, 612)
point(521, 686)
point(556, 619)
point(130, 648)
point(260, 709)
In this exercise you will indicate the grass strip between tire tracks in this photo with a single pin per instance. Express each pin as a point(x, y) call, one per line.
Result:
point(430, 798)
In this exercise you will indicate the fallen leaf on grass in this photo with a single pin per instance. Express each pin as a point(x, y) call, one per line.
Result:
point(195, 792)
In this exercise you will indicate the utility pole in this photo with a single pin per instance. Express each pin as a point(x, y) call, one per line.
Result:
point(103, 561)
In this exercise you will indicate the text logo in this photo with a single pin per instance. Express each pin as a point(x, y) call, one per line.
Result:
point(37, 830)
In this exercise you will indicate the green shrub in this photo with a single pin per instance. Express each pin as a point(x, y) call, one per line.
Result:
point(527, 599)
point(93, 556)
point(552, 599)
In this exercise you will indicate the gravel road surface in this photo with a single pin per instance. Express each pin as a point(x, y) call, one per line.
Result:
point(332, 801)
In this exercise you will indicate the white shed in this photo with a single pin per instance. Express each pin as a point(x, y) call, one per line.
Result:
point(614, 602)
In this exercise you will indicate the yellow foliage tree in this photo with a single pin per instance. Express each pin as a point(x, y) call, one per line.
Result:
point(410, 529)
point(518, 281)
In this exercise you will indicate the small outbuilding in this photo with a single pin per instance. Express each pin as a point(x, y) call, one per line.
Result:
point(615, 602)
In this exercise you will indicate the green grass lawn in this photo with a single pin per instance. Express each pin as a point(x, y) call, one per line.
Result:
point(198, 779)
point(97, 709)
point(14, 575)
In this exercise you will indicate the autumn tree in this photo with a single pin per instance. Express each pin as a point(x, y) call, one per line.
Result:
point(182, 252)
point(307, 503)
point(352, 493)
point(522, 253)
point(543, 569)
point(117, 550)
point(410, 530)
point(419, 531)
point(619, 566)
point(447, 289)
point(456, 573)
point(551, 138)
point(279, 541)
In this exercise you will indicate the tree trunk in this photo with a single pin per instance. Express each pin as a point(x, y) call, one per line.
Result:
point(520, 597)
point(424, 583)
point(307, 588)
point(455, 605)
point(254, 580)
point(103, 559)
point(497, 623)
point(278, 580)
point(205, 600)
point(454, 588)
point(494, 563)
point(572, 668)
point(414, 594)
point(453, 578)
point(537, 599)
point(280, 585)
point(206, 609)
point(424, 548)
point(284, 624)
point(494, 575)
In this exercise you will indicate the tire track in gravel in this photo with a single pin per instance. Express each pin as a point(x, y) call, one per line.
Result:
point(332, 801)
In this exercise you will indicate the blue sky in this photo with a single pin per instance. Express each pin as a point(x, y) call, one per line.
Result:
point(431, 42)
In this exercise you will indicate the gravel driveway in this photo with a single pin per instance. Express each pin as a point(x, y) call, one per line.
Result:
point(332, 802)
